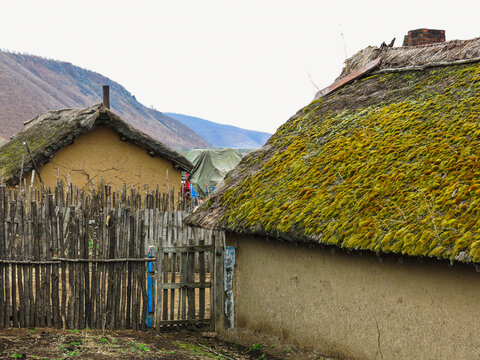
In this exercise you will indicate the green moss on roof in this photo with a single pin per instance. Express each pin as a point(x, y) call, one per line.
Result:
point(14, 151)
point(390, 163)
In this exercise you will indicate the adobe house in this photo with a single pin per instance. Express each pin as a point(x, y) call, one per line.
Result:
point(86, 144)
point(357, 226)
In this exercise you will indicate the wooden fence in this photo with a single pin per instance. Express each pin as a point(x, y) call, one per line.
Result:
point(75, 260)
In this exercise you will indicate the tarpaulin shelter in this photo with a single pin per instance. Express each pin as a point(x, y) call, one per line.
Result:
point(210, 167)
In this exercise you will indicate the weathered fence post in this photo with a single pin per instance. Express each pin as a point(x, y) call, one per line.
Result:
point(229, 265)
point(158, 302)
point(218, 287)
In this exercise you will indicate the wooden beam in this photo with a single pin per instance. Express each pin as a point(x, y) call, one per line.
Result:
point(187, 248)
point(183, 322)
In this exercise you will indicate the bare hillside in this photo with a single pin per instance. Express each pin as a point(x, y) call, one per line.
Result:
point(31, 85)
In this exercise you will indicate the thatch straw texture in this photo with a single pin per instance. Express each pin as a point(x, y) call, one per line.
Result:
point(414, 56)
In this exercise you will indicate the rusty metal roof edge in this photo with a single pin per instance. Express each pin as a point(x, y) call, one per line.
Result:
point(349, 78)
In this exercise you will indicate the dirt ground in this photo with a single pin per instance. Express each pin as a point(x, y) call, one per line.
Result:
point(127, 344)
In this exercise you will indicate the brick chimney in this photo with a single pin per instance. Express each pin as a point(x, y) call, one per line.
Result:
point(423, 36)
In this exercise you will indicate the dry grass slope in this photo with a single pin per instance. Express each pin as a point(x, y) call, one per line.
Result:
point(31, 85)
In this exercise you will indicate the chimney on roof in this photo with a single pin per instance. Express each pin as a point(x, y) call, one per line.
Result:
point(423, 36)
point(106, 96)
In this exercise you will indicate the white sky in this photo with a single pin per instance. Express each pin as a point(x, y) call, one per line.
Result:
point(244, 63)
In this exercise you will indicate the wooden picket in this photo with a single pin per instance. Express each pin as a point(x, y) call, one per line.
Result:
point(71, 259)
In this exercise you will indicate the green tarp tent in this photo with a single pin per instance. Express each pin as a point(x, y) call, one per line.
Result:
point(210, 167)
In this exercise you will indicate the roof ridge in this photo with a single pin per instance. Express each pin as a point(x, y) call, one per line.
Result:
point(410, 57)
point(427, 65)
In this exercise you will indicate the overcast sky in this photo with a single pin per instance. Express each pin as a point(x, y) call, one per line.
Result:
point(245, 63)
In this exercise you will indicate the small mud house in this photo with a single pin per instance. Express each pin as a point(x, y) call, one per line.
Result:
point(86, 144)
point(356, 226)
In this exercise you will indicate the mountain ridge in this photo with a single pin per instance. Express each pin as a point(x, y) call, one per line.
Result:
point(31, 85)
point(222, 135)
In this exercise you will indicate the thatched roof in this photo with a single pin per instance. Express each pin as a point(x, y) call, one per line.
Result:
point(389, 163)
point(402, 58)
point(50, 132)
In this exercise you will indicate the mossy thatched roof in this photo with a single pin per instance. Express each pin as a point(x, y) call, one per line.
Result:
point(50, 132)
point(388, 163)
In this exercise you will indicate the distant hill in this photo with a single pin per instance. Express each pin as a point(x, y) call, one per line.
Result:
point(31, 85)
point(219, 135)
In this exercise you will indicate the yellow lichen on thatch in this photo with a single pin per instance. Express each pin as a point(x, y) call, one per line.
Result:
point(390, 163)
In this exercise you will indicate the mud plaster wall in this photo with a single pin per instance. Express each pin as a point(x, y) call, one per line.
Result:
point(352, 306)
point(100, 153)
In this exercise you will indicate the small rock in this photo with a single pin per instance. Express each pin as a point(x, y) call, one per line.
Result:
point(209, 334)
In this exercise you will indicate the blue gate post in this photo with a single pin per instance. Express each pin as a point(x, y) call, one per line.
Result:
point(150, 287)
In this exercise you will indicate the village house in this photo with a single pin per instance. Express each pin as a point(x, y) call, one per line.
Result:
point(84, 145)
point(356, 227)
